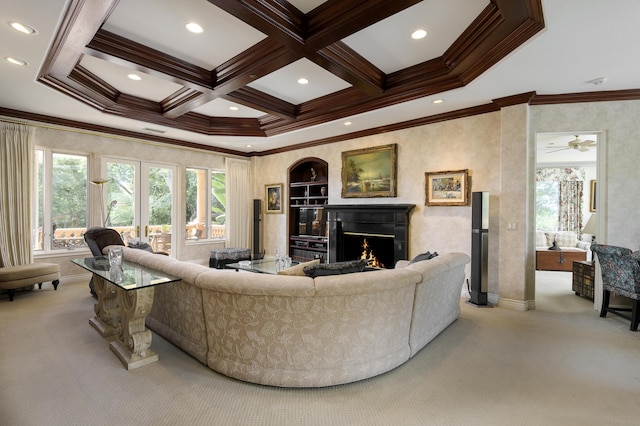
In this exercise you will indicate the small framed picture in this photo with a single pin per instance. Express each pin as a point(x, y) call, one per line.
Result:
point(273, 194)
point(448, 188)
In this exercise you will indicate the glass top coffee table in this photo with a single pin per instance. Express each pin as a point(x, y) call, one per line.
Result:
point(261, 266)
point(130, 276)
point(125, 297)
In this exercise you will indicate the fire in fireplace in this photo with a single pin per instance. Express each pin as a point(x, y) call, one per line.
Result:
point(376, 249)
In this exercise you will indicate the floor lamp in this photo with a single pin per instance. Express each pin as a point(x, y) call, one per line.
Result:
point(590, 227)
point(100, 182)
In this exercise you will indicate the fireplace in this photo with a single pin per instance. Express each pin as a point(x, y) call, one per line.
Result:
point(385, 227)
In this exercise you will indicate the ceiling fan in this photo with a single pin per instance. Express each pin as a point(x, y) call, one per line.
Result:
point(576, 144)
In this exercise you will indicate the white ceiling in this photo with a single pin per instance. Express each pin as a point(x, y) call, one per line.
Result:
point(582, 40)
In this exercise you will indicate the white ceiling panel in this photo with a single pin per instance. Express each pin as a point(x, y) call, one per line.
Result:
point(388, 43)
point(149, 87)
point(160, 24)
point(222, 108)
point(283, 83)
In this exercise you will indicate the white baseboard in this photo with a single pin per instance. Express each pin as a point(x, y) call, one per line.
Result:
point(495, 300)
point(517, 305)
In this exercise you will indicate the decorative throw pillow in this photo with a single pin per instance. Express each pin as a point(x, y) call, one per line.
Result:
point(140, 245)
point(424, 256)
point(298, 269)
point(567, 239)
point(336, 268)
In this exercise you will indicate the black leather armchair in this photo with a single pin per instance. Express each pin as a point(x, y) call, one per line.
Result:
point(98, 238)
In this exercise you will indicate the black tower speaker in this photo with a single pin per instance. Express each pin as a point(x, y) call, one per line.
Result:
point(257, 218)
point(479, 248)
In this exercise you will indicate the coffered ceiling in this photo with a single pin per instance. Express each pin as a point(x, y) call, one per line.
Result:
point(234, 87)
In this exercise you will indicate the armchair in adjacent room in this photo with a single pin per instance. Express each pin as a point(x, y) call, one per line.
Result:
point(621, 275)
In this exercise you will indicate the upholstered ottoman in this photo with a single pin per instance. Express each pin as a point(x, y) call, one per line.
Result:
point(220, 258)
point(15, 277)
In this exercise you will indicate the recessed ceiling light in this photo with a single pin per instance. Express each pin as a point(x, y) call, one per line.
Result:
point(249, 146)
point(135, 77)
point(438, 101)
point(303, 81)
point(15, 61)
point(347, 123)
point(233, 108)
point(22, 28)
point(194, 28)
point(418, 34)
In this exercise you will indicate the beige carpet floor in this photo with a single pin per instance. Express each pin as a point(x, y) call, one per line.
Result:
point(558, 365)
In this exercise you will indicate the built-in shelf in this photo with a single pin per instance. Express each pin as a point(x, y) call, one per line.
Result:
point(308, 194)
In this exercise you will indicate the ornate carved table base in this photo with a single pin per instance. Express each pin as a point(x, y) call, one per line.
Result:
point(107, 316)
point(133, 345)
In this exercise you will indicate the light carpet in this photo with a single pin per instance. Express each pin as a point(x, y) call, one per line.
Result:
point(558, 365)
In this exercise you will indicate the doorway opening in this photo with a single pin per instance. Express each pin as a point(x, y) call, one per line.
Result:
point(565, 186)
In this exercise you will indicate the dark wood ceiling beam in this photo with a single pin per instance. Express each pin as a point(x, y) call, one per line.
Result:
point(277, 19)
point(350, 66)
point(259, 60)
point(90, 81)
point(261, 101)
point(76, 30)
point(351, 102)
point(498, 30)
point(334, 20)
point(183, 96)
point(221, 126)
point(502, 27)
point(479, 48)
point(120, 50)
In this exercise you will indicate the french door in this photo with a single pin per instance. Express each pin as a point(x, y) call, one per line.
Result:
point(140, 201)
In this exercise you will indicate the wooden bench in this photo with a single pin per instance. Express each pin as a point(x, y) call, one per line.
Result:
point(15, 277)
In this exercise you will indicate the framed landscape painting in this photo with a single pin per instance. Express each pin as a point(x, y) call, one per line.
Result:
point(369, 172)
point(448, 188)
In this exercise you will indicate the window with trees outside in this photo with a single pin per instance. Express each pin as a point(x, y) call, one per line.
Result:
point(548, 205)
point(206, 204)
point(60, 204)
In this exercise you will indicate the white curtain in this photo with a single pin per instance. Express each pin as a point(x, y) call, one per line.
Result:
point(16, 160)
point(238, 209)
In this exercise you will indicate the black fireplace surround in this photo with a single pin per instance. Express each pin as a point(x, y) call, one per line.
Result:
point(389, 220)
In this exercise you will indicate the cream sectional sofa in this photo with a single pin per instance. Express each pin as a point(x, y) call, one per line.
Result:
point(297, 331)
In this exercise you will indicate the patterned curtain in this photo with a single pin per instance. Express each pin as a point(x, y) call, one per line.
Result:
point(16, 161)
point(571, 206)
point(571, 181)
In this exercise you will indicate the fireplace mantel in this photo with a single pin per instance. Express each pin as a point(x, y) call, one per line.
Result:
point(384, 219)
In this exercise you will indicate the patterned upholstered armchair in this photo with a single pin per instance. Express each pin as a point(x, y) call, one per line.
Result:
point(620, 275)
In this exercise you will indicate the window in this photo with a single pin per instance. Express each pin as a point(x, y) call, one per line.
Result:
point(206, 204)
point(60, 211)
point(548, 205)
